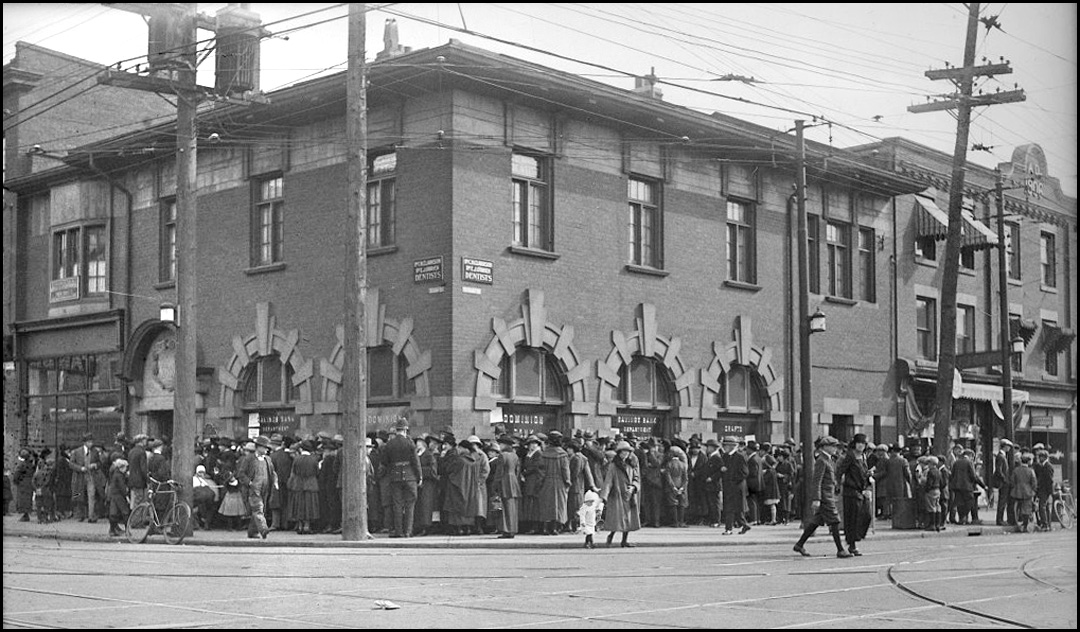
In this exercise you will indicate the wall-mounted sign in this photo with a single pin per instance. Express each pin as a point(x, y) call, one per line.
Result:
point(429, 269)
point(1045, 422)
point(267, 422)
point(64, 289)
point(476, 271)
point(642, 424)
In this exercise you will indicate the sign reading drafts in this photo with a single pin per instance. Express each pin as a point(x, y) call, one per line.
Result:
point(476, 271)
point(429, 269)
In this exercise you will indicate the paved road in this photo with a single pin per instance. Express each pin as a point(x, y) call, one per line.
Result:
point(1002, 582)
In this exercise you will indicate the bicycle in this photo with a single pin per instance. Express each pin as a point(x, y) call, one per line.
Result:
point(1064, 506)
point(145, 520)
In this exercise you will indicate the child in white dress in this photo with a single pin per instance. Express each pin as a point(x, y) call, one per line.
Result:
point(588, 515)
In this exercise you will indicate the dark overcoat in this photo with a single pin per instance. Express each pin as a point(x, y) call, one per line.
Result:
point(621, 495)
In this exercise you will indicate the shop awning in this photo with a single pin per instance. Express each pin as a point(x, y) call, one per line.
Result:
point(933, 223)
point(979, 392)
point(1056, 339)
point(1023, 327)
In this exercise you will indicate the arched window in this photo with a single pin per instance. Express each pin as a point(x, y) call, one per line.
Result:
point(740, 389)
point(529, 376)
point(269, 383)
point(387, 379)
point(643, 384)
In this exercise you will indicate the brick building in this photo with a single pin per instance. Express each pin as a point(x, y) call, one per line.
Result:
point(1040, 229)
point(545, 251)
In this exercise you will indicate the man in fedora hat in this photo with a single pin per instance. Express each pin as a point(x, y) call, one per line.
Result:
point(402, 465)
point(257, 478)
point(733, 473)
point(714, 461)
point(86, 463)
point(822, 492)
point(137, 470)
point(1004, 463)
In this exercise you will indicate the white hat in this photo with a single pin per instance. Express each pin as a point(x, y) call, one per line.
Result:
point(591, 495)
point(1006, 442)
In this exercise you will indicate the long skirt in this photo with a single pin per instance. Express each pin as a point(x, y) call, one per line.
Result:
point(508, 520)
point(303, 506)
point(426, 504)
point(233, 505)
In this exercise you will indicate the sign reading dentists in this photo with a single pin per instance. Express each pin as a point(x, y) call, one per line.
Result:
point(477, 271)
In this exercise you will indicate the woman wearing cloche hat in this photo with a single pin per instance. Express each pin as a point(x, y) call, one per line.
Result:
point(620, 495)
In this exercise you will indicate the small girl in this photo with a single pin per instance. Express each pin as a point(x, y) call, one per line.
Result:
point(588, 514)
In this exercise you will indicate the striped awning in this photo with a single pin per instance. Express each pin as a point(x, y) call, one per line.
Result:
point(1023, 327)
point(933, 223)
point(1056, 339)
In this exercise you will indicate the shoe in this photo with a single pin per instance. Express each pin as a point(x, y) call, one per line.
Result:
point(92, 521)
point(336, 531)
point(505, 536)
point(253, 536)
point(800, 550)
point(842, 554)
point(745, 528)
point(25, 518)
point(264, 533)
point(855, 552)
point(727, 532)
point(627, 545)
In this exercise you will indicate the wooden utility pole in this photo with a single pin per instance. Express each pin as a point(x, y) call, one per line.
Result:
point(963, 102)
point(354, 375)
point(1003, 297)
point(806, 410)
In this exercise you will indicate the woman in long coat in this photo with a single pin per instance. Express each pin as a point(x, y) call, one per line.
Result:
point(462, 492)
point(620, 494)
point(23, 477)
point(530, 490)
point(304, 502)
point(507, 486)
point(675, 476)
point(428, 496)
point(554, 485)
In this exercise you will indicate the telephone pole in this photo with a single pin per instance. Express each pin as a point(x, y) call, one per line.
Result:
point(806, 410)
point(354, 374)
point(963, 102)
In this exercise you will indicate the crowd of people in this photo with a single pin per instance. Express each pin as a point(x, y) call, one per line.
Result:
point(544, 483)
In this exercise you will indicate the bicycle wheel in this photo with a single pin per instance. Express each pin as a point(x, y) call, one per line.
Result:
point(139, 523)
point(176, 523)
point(1064, 516)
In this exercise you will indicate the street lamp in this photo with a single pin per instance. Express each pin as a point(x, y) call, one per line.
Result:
point(167, 313)
point(817, 321)
point(1017, 345)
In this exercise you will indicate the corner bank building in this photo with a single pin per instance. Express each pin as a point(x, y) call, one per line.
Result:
point(544, 252)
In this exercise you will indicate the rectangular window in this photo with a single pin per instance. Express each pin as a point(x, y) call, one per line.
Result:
point(81, 253)
point(965, 329)
point(1050, 361)
point(1048, 257)
point(381, 200)
point(926, 248)
point(926, 327)
point(269, 221)
point(867, 266)
point(967, 258)
point(167, 242)
point(742, 264)
point(530, 185)
point(646, 232)
point(838, 243)
point(812, 239)
point(1012, 241)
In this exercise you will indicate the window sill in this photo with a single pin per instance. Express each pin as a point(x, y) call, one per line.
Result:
point(840, 300)
point(1048, 289)
point(273, 267)
point(742, 285)
point(375, 251)
point(1046, 377)
point(967, 271)
point(929, 263)
point(656, 272)
point(1016, 282)
point(923, 362)
point(533, 252)
point(165, 285)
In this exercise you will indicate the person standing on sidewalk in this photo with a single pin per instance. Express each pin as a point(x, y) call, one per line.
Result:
point(714, 461)
point(822, 490)
point(855, 485)
point(1022, 485)
point(402, 464)
point(733, 473)
point(137, 470)
point(507, 486)
point(1002, 479)
point(1044, 477)
point(118, 497)
point(86, 463)
point(621, 496)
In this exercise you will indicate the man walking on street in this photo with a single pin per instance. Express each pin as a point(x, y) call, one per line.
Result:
point(822, 490)
point(402, 465)
point(257, 478)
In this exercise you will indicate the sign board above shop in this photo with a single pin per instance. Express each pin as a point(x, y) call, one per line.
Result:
point(430, 269)
point(477, 271)
point(641, 424)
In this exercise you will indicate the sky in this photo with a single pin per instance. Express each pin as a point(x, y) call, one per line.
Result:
point(858, 66)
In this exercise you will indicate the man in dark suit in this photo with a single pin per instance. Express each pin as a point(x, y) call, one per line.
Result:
point(86, 463)
point(282, 460)
point(822, 492)
point(713, 463)
point(402, 466)
point(755, 482)
point(1004, 463)
point(962, 483)
point(257, 478)
point(733, 473)
point(137, 470)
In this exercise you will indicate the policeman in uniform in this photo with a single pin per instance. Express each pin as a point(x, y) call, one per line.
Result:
point(402, 464)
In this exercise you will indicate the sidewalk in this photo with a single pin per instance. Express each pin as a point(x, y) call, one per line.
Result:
point(72, 530)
